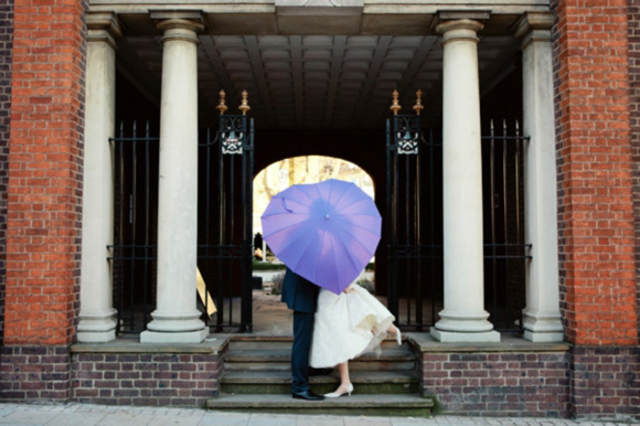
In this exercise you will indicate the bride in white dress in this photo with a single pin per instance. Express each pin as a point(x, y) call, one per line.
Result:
point(346, 326)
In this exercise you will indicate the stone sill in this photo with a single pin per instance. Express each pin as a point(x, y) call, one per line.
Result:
point(509, 342)
point(130, 345)
point(422, 342)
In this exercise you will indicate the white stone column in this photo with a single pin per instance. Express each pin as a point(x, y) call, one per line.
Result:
point(97, 316)
point(542, 321)
point(176, 318)
point(463, 318)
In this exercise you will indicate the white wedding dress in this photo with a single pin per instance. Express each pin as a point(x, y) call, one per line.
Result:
point(346, 326)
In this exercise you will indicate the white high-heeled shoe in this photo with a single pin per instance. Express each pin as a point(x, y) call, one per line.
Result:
point(398, 334)
point(337, 394)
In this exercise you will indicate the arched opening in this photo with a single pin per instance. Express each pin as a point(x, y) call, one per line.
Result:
point(270, 316)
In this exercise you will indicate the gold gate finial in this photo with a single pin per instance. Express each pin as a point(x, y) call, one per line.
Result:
point(244, 107)
point(395, 107)
point(222, 107)
point(418, 106)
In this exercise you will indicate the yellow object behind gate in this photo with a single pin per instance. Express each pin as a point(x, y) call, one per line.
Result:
point(202, 291)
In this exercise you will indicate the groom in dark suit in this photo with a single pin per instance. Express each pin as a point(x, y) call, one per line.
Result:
point(301, 296)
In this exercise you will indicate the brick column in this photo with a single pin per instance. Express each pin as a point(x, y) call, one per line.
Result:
point(44, 198)
point(595, 220)
point(634, 78)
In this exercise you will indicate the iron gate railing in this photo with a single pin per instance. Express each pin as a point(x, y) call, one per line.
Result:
point(413, 225)
point(413, 230)
point(134, 251)
point(505, 250)
point(225, 214)
point(224, 224)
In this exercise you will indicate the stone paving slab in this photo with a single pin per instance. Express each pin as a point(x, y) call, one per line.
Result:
point(98, 415)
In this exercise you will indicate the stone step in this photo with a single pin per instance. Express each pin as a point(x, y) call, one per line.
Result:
point(261, 343)
point(353, 366)
point(279, 360)
point(279, 382)
point(355, 405)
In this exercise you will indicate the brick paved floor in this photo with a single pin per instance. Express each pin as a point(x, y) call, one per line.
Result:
point(98, 415)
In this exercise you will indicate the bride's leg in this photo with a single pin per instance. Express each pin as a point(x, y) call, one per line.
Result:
point(345, 381)
point(344, 373)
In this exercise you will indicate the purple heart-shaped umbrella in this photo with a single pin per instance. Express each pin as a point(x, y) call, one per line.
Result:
point(326, 232)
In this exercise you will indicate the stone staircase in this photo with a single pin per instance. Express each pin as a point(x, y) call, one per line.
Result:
point(257, 376)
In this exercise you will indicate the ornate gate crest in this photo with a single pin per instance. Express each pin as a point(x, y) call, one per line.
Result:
point(233, 128)
point(232, 136)
point(407, 128)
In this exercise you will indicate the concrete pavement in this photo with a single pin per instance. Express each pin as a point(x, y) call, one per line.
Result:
point(97, 415)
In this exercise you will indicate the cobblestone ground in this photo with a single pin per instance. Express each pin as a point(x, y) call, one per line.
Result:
point(98, 415)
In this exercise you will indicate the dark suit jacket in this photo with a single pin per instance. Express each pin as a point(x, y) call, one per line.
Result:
point(298, 293)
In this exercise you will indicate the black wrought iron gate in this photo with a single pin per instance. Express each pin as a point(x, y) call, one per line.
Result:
point(413, 223)
point(225, 215)
point(225, 202)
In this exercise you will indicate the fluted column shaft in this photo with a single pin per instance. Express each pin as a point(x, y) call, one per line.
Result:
point(464, 317)
point(176, 318)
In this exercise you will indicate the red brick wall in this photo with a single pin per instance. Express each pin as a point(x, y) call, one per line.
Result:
point(35, 373)
point(45, 172)
point(634, 78)
point(529, 384)
point(605, 382)
point(595, 216)
point(156, 379)
point(6, 25)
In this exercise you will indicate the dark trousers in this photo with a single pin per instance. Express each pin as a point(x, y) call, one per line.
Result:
point(302, 333)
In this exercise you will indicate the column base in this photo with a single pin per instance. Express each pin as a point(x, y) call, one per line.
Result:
point(543, 326)
point(465, 337)
point(534, 336)
point(97, 328)
point(198, 336)
point(96, 336)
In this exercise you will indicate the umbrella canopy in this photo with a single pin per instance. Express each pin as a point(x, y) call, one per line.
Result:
point(326, 232)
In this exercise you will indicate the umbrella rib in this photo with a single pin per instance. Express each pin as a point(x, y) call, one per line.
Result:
point(343, 194)
point(291, 241)
point(337, 277)
point(284, 227)
point(335, 258)
point(298, 189)
point(355, 240)
point(323, 226)
point(288, 211)
point(303, 253)
point(346, 249)
point(356, 225)
point(356, 202)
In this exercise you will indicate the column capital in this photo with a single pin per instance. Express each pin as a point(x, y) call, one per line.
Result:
point(179, 25)
point(103, 27)
point(533, 26)
point(459, 30)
